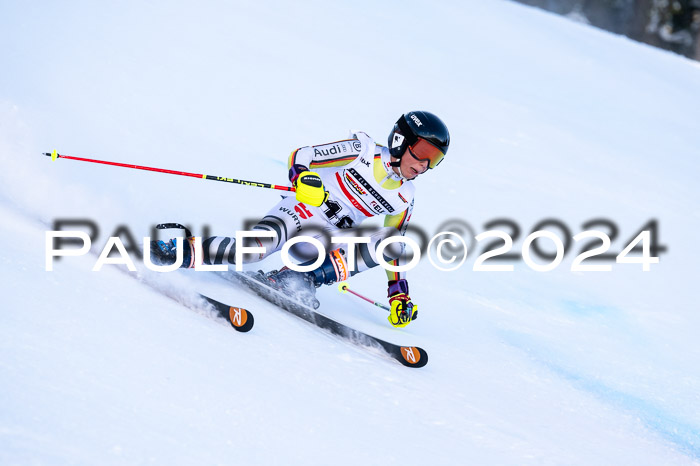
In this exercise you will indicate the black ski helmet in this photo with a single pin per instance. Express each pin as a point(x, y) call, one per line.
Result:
point(414, 125)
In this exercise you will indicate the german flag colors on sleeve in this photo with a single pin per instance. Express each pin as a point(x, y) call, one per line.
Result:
point(400, 222)
point(333, 154)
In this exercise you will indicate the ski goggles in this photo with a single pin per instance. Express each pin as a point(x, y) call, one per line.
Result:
point(424, 151)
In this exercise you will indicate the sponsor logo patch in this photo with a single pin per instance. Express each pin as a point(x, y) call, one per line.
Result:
point(303, 211)
point(237, 316)
point(330, 149)
point(376, 207)
point(397, 140)
point(339, 265)
point(410, 354)
point(370, 189)
point(294, 216)
point(355, 186)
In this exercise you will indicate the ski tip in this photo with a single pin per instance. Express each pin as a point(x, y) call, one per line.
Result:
point(241, 319)
point(413, 356)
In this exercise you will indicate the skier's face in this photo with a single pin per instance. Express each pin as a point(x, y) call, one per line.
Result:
point(411, 166)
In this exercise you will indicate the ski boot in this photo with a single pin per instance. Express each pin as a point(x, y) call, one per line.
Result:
point(302, 285)
point(298, 285)
point(165, 253)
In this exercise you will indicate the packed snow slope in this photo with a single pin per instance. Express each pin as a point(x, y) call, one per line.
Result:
point(549, 120)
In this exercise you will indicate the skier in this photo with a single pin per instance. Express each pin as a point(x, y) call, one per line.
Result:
point(338, 185)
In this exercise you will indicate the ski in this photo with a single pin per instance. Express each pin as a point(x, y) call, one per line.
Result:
point(239, 318)
point(409, 356)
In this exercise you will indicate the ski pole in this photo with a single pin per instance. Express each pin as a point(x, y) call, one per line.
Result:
point(54, 155)
point(343, 288)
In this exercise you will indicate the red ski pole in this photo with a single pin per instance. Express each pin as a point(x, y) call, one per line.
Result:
point(343, 288)
point(54, 156)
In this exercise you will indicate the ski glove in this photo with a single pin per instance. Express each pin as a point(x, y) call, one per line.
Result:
point(403, 310)
point(296, 170)
point(309, 188)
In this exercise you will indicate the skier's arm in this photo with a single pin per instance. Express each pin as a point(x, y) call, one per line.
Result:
point(403, 310)
point(309, 186)
point(400, 222)
point(334, 154)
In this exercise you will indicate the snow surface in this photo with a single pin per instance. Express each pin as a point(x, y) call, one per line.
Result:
point(549, 119)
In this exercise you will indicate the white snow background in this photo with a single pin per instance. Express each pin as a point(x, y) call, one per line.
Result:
point(549, 119)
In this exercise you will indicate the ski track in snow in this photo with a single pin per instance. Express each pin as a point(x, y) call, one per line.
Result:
point(681, 433)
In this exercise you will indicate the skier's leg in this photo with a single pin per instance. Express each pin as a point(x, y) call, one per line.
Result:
point(302, 285)
point(287, 219)
point(336, 267)
point(365, 254)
